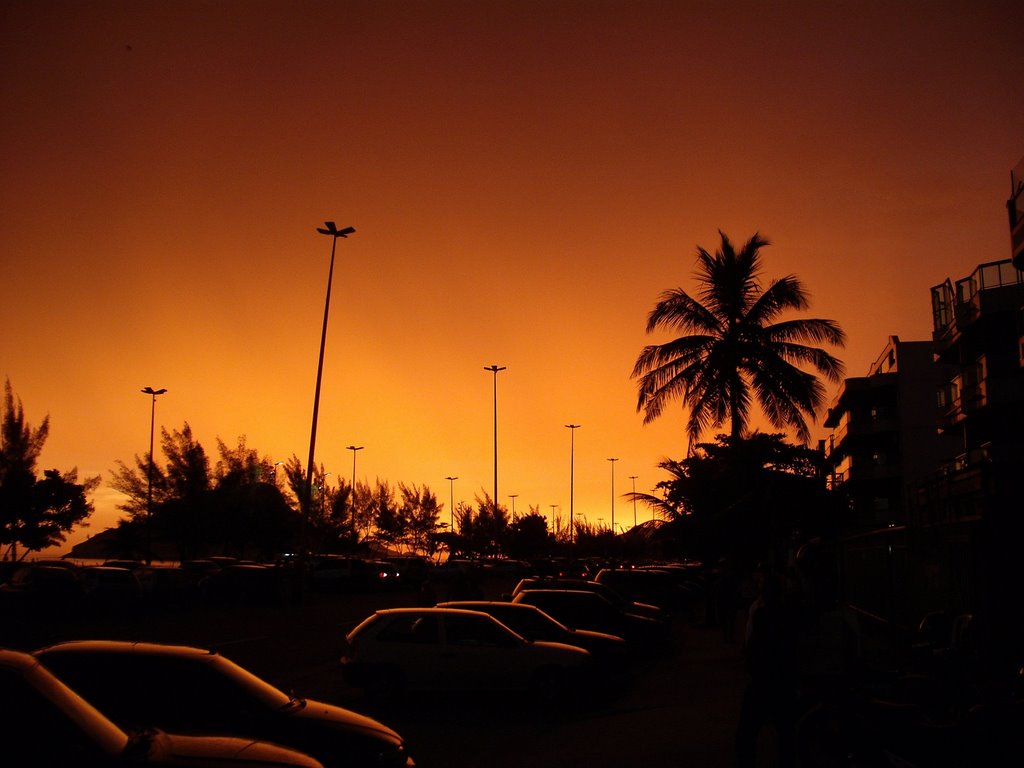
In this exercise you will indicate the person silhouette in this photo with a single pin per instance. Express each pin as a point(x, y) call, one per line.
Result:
point(770, 654)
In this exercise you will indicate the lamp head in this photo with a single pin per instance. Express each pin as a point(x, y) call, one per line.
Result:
point(330, 228)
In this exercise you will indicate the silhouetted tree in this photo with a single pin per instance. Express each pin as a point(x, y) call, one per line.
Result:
point(35, 513)
point(528, 536)
point(741, 496)
point(733, 351)
point(420, 512)
point(389, 524)
point(250, 515)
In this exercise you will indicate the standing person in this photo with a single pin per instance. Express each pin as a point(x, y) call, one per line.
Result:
point(770, 652)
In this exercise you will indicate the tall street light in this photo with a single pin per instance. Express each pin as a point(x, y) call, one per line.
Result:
point(451, 502)
point(613, 493)
point(572, 452)
point(149, 488)
point(633, 478)
point(494, 369)
point(334, 233)
point(353, 448)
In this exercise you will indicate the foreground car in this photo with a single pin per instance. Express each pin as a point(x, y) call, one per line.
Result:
point(46, 723)
point(446, 649)
point(197, 691)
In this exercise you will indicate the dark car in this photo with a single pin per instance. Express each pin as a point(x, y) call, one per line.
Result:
point(609, 651)
point(196, 691)
point(579, 609)
point(43, 588)
point(609, 593)
point(43, 722)
point(644, 585)
point(338, 573)
point(244, 583)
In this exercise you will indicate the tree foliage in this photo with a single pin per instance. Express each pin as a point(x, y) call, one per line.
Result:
point(35, 512)
point(741, 496)
point(735, 349)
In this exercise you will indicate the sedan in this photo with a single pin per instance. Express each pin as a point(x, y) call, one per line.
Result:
point(609, 651)
point(580, 609)
point(44, 722)
point(610, 594)
point(198, 691)
point(447, 649)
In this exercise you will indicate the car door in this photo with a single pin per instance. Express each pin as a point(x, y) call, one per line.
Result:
point(480, 654)
point(412, 643)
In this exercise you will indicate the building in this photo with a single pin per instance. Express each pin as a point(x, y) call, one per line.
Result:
point(884, 436)
point(1015, 207)
point(926, 457)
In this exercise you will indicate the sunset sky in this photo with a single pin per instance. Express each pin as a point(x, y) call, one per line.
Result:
point(525, 179)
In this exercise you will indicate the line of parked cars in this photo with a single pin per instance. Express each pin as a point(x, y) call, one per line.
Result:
point(551, 637)
point(56, 585)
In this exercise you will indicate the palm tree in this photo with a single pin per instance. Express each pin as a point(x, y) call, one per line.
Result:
point(733, 350)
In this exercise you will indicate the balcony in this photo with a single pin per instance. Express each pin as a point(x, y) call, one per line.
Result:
point(955, 308)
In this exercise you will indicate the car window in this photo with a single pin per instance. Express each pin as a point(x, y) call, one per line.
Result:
point(422, 630)
point(476, 631)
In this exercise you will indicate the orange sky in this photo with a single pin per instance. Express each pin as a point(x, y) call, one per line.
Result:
point(525, 178)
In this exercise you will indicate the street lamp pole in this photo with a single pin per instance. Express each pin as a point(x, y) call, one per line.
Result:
point(613, 493)
point(513, 497)
point(451, 502)
point(149, 486)
point(334, 233)
point(494, 369)
point(572, 453)
point(633, 478)
point(354, 448)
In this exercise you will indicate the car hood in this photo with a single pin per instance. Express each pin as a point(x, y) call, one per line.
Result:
point(597, 637)
point(173, 749)
point(343, 720)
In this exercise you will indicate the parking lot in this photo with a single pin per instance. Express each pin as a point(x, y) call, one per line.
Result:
point(676, 708)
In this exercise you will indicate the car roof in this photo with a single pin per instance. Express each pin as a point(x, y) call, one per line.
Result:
point(591, 596)
point(18, 660)
point(125, 646)
point(464, 605)
point(436, 610)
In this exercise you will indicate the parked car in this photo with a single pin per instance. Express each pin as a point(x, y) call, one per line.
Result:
point(644, 585)
point(38, 588)
point(46, 723)
point(338, 573)
point(447, 649)
point(197, 691)
point(609, 651)
point(610, 594)
point(582, 609)
point(111, 588)
point(244, 582)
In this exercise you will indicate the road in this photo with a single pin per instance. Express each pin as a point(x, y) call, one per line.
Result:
point(675, 709)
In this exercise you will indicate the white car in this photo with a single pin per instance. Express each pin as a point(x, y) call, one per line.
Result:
point(446, 649)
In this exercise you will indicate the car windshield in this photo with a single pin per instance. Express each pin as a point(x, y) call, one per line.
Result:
point(531, 623)
point(259, 689)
